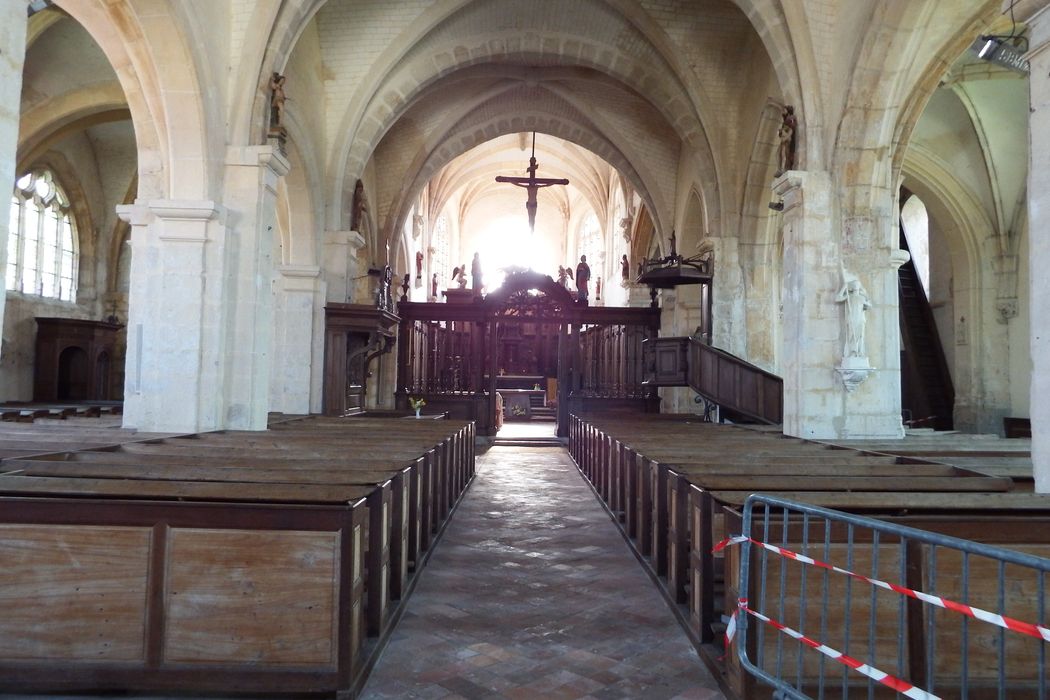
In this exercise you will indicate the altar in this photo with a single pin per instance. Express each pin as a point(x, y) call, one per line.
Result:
point(517, 403)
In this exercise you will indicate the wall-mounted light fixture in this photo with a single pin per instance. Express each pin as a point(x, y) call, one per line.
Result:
point(1003, 51)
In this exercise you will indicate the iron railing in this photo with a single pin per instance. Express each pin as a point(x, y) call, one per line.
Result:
point(946, 616)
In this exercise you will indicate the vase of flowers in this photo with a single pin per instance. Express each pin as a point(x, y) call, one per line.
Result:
point(417, 404)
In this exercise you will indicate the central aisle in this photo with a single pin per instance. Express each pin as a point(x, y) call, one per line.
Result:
point(532, 593)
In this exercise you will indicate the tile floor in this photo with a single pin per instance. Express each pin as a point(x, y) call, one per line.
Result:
point(532, 593)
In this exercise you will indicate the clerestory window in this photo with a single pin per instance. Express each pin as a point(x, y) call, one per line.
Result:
point(42, 254)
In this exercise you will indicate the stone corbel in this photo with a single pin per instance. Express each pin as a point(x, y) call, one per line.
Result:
point(299, 278)
point(356, 242)
point(789, 189)
point(1006, 309)
point(270, 157)
point(898, 257)
point(853, 372)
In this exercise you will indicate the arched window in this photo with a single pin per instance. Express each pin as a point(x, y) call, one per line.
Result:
point(439, 244)
point(42, 254)
point(591, 243)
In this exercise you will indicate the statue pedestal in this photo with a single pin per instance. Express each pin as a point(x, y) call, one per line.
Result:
point(854, 370)
point(458, 296)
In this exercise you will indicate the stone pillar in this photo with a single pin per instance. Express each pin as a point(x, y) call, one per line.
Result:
point(360, 289)
point(200, 309)
point(728, 320)
point(345, 273)
point(336, 258)
point(1039, 242)
point(298, 340)
point(252, 174)
point(12, 56)
point(175, 370)
point(827, 395)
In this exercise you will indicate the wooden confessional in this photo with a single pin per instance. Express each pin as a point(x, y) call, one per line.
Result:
point(74, 359)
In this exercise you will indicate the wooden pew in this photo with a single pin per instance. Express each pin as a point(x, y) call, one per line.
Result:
point(153, 602)
point(671, 480)
point(400, 497)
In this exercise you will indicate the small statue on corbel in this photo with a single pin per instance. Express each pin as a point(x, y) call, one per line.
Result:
point(358, 207)
point(406, 283)
point(278, 98)
point(787, 136)
point(855, 366)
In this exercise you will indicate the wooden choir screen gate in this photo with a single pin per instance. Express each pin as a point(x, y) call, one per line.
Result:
point(454, 355)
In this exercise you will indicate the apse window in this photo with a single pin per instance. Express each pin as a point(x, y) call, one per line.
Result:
point(41, 244)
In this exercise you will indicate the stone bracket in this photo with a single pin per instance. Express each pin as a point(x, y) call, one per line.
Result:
point(853, 372)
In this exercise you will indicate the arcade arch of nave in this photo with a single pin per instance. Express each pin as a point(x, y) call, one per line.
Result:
point(662, 113)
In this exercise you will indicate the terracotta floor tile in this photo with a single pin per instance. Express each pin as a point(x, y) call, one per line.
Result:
point(531, 594)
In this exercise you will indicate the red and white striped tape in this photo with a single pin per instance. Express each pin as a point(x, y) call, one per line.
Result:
point(1032, 630)
point(901, 686)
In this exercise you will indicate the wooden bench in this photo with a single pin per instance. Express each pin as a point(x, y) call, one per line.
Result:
point(179, 585)
point(671, 482)
point(311, 528)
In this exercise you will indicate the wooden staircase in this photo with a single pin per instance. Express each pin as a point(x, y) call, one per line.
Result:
point(927, 393)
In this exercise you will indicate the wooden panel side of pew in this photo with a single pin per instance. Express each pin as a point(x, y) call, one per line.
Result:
point(255, 598)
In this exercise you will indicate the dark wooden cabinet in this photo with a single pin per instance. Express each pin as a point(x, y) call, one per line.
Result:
point(354, 336)
point(74, 360)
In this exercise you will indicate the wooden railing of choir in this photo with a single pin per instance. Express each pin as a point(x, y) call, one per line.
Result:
point(450, 354)
point(440, 356)
point(611, 363)
point(734, 384)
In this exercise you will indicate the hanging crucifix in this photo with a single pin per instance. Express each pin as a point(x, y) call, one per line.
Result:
point(532, 184)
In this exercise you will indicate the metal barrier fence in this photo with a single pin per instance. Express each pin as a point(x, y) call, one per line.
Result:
point(832, 603)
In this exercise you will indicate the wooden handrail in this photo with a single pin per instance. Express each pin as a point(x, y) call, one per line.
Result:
point(735, 384)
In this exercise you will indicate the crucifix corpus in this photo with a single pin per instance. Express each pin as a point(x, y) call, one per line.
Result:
point(532, 184)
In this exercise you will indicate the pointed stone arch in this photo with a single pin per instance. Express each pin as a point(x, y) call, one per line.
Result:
point(163, 97)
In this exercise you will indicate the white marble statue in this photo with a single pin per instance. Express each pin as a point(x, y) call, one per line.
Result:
point(856, 299)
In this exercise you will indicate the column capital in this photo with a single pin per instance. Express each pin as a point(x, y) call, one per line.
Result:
point(299, 271)
point(300, 278)
point(144, 213)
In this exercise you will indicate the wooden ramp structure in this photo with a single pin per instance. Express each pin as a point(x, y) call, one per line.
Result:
point(676, 487)
point(258, 562)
